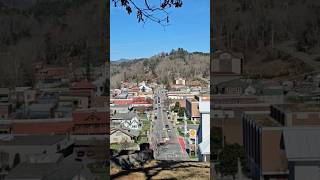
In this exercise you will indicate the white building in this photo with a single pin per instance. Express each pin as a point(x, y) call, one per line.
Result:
point(203, 135)
point(127, 121)
point(133, 124)
point(180, 81)
point(144, 88)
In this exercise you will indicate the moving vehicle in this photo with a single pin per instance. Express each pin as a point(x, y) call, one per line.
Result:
point(167, 126)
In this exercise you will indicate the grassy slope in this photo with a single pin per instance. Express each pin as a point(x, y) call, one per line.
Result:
point(165, 170)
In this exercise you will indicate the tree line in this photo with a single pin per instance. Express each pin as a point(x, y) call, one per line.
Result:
point(243, 24)
point(56, 33)
point(162, 68)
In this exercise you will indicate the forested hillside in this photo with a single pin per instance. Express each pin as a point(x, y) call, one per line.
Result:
point(55, 32)
point(271, 33)
point(242, 24)
point(162, 68)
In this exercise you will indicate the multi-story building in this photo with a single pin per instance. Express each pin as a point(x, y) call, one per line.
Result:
point(296, 114)
point(192, 109)
point(271, 140)
point(261, 140)
point(203, 133)
point(90, 122)
point(180, 81)
point(227, 62)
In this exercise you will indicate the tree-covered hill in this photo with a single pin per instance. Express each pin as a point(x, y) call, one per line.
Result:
point(54, 32)
point(162, 68)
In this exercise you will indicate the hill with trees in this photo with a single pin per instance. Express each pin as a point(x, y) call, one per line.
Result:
point(243, 24)
point(263, 30)
point(162, 68)
point(54, 32)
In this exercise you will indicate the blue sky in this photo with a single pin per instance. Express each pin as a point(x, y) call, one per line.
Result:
point(189, 29)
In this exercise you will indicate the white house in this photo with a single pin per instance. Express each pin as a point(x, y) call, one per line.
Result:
point(127, 121)
point(203, 135)
point(180, 81)
point(144, 88)
point(133, 123)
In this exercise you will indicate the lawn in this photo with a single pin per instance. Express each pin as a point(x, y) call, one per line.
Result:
point(120, 146)
point(115, 146)
point(166, 170)
point(143, 133)
point(143, 117)
point(146, 125)
point(142, 139)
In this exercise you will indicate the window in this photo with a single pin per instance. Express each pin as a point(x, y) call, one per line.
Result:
point(80, 153)
point(58, 147)
point(238, 90)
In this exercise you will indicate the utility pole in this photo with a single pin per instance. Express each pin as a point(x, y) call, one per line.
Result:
point(185, 127)
point(185, 124)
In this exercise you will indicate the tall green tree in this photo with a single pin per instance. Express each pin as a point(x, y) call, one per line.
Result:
point(228, 160)
point(181, 111)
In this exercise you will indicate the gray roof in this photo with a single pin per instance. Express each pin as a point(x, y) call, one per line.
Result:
point(31, 170)
point(234, 83)
point(123, 95)
point(125, 116)
point(64, 170)
point(302, 143)
point(129, 132)
point(271, 92)
point(41, 107)
point(33, 140)
point(299, 107)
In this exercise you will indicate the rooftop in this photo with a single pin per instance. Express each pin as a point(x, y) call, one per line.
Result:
point(64, 170)
point(125, 116)
point(263, 120)
point(299, 107)
point(302, 143)
point(33, 140)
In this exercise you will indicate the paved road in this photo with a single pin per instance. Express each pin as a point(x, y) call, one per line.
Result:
point(170, 150)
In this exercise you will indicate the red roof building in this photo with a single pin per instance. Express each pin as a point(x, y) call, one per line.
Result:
point(135, 89)
point(121, 101)
point(90, 122)
point(41, 128)
point(54, 72)
point(83, 85)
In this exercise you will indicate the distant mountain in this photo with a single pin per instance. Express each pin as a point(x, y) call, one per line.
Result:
point(120, 61)
point(162, 68)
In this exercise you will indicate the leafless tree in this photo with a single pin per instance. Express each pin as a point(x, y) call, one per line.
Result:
point(146, 11)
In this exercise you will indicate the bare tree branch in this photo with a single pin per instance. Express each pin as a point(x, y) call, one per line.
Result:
point(157, 14)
